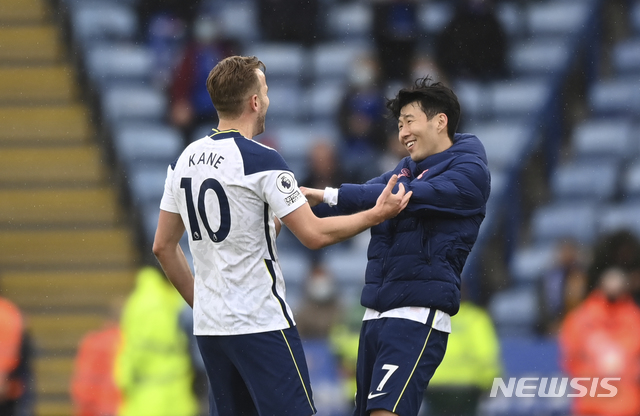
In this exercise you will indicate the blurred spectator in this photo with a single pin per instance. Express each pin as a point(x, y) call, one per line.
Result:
point(473, 45)
point(166, 37)
point(471, 363)
point(321, 308)
point(289, 21)
point(200, 384)
point(395, 30)
point(344, 339)
point(183, 11)
point(424, 65)
point(620, 249)
point(93, 388)
point(362, 119)
point(325, 169)
point(16, 390)
point(153, 367)
point(600, 339)
point(563, 287)
point(320, 311)
point(191, 105)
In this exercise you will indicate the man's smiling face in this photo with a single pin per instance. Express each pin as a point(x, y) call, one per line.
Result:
point(422, 137)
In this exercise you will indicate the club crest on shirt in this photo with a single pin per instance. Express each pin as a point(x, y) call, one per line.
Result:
point(404, 172)
point(285, 183)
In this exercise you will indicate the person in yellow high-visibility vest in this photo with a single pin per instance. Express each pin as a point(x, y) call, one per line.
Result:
point(153, 368)
point(469, 366)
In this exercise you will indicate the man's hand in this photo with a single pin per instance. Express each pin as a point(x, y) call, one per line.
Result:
point(389, 204)
point(314, 196)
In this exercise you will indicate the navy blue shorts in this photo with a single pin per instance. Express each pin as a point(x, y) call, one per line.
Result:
point(396, 359)
point(263, 374)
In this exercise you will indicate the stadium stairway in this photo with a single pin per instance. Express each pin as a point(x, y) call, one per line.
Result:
point(66, 247)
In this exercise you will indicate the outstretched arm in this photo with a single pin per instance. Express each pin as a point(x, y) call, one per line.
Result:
point(316, 232)
point(462, 189)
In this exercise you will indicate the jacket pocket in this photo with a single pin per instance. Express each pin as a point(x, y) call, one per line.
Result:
point(426, 242)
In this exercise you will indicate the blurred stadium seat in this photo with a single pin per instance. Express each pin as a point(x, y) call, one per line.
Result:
point(538, 56)
point(586, 180)
point(620, 216)
point(607, 137)
point(556, 17)
point(146, 143)
point(617, 96)
point(94, 21)
point(349, 20)
point(626, 56)
point(529, 263)
point(570, 219)
point(109, 63)
point(127, 103)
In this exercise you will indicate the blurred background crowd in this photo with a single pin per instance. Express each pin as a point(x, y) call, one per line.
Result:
point(97, 97)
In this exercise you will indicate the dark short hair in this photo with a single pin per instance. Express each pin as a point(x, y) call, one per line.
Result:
point(231, 81)
point(433, 98)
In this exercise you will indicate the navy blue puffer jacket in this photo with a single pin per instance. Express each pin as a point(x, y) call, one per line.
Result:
point(416, 258)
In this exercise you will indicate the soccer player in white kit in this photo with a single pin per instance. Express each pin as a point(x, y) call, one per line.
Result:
point(229, 193)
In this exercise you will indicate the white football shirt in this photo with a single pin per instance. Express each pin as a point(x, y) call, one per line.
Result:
point(227, 189)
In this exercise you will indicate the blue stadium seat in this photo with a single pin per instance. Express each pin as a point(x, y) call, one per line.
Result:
point(498, 188)
point(529, 263)
point(347, 264)
point(149, 214)
point(634, 17)
point(144, 144)
point(586, 180)
point(349, 20)
point(623, 216)
point(146, 184)
point(511, 18)
point(322, 100)
point(107, 63)
point(296, 267)
point(555, 221)
point(239, 20)
point(286, 101)
point(597, 138)
point(558, 17)
point(618, 96)
point(294, 140)
point(325, 377)
point(334, 59)
point(519, 97)
point(514, 311)
point(283, 60)
point(626, 56)
point(536, 356)
point(123, 103)
point(538, 56)
point(504, 142)
point(433, 16)
point(631, 181)
point(94, 21)
point(472, 96)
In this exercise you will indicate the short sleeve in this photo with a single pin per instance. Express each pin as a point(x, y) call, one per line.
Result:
point(280, 190)
point(168, 202)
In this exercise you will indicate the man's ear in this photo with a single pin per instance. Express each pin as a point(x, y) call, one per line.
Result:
point(254, 102)
point(443, 121)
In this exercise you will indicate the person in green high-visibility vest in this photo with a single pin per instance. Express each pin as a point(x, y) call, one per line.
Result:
point(153, 368)
point(469, 366)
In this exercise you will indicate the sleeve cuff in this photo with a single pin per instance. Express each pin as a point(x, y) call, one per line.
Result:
point(330, 196)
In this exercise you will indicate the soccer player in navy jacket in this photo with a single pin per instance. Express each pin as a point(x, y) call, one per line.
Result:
point(412, 280)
